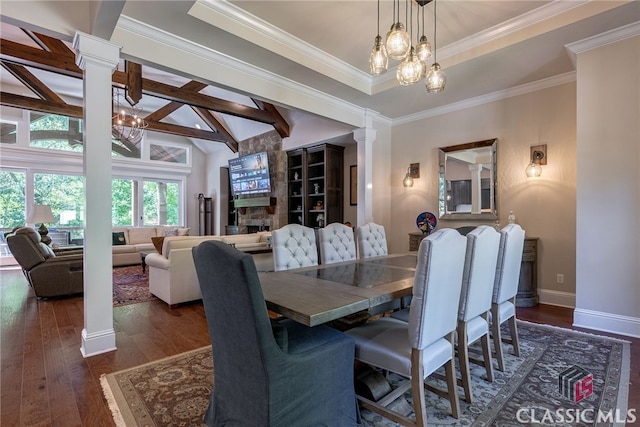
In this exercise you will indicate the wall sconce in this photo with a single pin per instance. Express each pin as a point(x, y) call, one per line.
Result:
point(412, 172)
point(538, 158)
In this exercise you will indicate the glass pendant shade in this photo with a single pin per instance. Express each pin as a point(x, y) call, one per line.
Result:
point(423, 49)
point(378, 60)
point(398, 42)
point(533, 170)
point(436, 79)
point(407, 181)
point(410, 69)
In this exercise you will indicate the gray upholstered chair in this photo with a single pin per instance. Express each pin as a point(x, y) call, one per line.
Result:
point(336, 243)
point(49, 275)
point(475, 300)
point(268, 374)
point(505, 288)
point(428, 338)
point(294, 246)
point(372, 240)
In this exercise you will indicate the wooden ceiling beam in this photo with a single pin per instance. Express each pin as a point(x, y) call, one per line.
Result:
point(195, 99)
point(50, 44)
point(33, 83)
point(280, 125)
point(19, 101)
point(212, 122)
point(32, 57)
point(133, 91)
point(169, 108)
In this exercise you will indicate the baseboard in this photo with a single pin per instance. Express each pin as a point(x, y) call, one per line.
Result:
point(607, 322)
point(97, 342)
point(562, 299)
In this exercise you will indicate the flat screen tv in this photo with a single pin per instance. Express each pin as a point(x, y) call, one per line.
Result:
point(250, 174)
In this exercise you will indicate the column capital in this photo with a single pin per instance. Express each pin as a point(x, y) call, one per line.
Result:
point(94, 49)
point(366, 135)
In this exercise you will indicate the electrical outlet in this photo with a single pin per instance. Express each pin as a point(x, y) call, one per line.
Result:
point(560, 278)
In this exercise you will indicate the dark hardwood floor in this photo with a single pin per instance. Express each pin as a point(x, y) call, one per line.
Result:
point(45, 381)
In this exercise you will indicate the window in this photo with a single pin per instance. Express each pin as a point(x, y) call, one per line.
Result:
point(12, 199)
point(8, 133)
point(161, 203)
point(55, 132)
point(123, 202)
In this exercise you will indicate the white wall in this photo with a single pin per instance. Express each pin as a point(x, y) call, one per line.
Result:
point(545, 207)
point(608, 196)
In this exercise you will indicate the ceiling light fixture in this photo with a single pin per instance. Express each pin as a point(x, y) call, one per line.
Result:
point(413, 66)
point(436, 79)
point(128, 127)
point(378, 60)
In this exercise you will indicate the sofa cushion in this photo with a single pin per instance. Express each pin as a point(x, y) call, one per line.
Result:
point(123, 249)
point(118, 238)
point(183, 231)
point(141, 235)
point(170, 232)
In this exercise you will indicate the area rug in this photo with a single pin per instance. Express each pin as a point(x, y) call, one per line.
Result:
point(130, 286)
point(175, 391)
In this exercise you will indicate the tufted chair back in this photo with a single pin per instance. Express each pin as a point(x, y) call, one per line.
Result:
point(294, 246)
point(372, 240)
point(337, 243)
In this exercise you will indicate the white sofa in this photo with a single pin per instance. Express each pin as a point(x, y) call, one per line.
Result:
point(138, 239)
point(172, 274)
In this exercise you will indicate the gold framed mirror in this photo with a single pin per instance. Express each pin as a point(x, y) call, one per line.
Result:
point(467, 181)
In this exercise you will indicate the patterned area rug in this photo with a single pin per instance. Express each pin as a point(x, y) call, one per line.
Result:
point(130, 286)
point(176, 390)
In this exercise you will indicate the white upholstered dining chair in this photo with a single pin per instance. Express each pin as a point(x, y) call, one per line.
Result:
point(505, 288)
point(475, 300)
point(294, 246)
point(336, 243)
point(416, 349)
point(372, 240)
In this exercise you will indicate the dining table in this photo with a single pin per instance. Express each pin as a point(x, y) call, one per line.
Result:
point(322, 293)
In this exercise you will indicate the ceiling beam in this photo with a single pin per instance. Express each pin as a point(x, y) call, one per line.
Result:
point(133, 90)
point(281, 125)
point(212, 122)
point(32, 82)
point(50, 44)
point(169, 108)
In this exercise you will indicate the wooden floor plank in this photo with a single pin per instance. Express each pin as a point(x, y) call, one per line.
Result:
point(46, 381)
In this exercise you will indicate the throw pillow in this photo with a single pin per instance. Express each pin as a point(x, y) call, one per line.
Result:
point(171, 232)
point(118, 238)
point(157, 243)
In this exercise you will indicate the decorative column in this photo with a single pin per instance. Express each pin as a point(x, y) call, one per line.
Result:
point(98, 59)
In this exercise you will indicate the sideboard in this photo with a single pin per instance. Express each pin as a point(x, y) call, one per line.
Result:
point(527, 286)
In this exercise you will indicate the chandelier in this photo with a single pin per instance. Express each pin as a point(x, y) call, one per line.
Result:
point(128, 127)
point(413, 59)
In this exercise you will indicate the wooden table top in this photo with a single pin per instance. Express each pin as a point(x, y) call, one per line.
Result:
point(319, 294)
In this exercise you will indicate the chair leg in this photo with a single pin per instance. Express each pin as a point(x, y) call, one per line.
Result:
point(452, 386)
point(463, 358)
point(486, 351)
point(417, 388)
point(497, 336)
point(513, 328)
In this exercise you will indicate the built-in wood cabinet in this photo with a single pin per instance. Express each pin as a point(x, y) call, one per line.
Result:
point(315, 179)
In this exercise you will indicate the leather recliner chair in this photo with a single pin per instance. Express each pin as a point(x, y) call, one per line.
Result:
point(49, 275)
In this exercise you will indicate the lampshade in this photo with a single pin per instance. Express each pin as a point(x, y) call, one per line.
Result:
point(398, 41)
point(436, 79)
point(378, 60)
point(533, 170)
point(408, 180)
point(41, 214)
point(410, 69)
point(423, 49)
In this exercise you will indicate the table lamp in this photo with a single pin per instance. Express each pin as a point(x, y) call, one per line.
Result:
point(42, 214)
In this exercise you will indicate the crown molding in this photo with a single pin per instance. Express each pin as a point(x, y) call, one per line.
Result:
point(240, 23)
point(599, 40)
point(491, 97)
